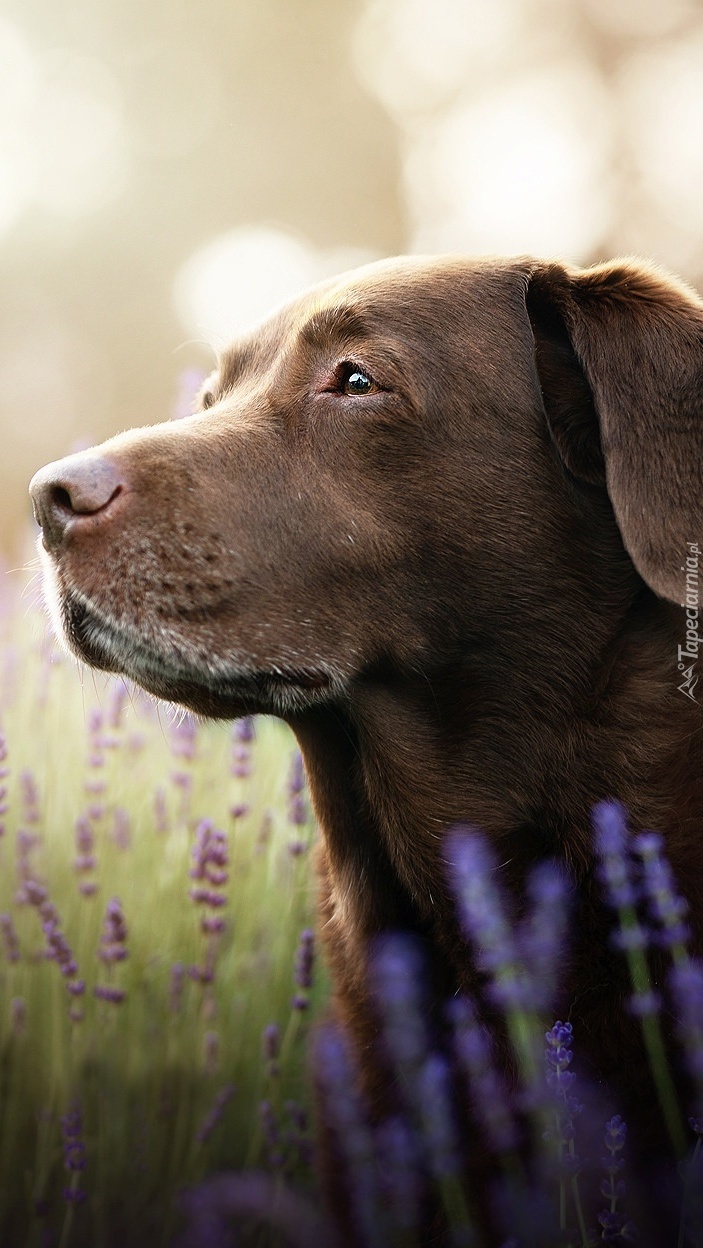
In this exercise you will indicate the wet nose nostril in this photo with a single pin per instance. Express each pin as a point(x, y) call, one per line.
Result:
point(60, 497)
point(73, 490)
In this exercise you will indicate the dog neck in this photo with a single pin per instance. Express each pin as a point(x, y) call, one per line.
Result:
point(491, 741)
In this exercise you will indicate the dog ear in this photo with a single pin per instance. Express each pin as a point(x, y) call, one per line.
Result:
point(619, 356)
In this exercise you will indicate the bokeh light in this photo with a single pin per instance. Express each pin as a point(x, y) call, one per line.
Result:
point(239, 278)
point(523, 168)
point(165, 185)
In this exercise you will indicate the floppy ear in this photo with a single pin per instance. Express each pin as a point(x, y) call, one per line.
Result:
point(619, 355)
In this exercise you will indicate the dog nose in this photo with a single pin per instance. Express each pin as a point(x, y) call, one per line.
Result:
point(73, 492)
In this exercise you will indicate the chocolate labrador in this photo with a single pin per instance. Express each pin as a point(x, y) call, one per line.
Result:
point(441, 517)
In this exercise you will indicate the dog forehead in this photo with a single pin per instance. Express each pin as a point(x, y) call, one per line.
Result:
point(418, 296)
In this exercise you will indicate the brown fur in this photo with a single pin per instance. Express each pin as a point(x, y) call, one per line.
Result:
point(462, 590)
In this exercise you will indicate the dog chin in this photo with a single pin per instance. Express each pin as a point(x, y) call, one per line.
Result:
point(221, 690)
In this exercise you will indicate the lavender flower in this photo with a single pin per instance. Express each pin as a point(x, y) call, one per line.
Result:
point(296, 1137)
point(209, 855)
point(686, 983)
point(473, 871)
point(613, 1187)
point(59, 950)
point(242, 738)
point(560, 1080)
point(215, 1113)
point(56, 948)
point(112, 949)
point(667, 908)
point(271, 1043)
point(85, 861)
point(304, 963)
point(73, 1153)
point(272, 1135)
point(109, 993)
point(210, 858)
point(615, 871)
point(565, 1108)
point(396, 977)
point(616, 1228)
point(95, 784)
point(489, 1092)
point(401, 1176)
point(29, 794)
point(542, 935)
point(297, 808)
point(184, 748)
point(113, 940)
point(211, 1208)
point(10, 938)
point(442, 1144)
point(346, 1119)
point(26, 843)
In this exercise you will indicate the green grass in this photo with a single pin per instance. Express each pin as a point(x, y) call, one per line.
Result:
point(144, 1073)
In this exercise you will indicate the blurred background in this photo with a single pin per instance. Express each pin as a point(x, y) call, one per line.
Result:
point(170, 171)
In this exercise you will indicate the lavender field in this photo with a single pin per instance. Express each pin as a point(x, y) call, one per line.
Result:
point(163, 1021)
point(154, 1000)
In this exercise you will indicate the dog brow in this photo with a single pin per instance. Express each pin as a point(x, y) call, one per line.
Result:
point(325, 324)
point(234, 361)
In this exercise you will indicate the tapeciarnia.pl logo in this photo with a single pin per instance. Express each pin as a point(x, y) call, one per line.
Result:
point(688, 654)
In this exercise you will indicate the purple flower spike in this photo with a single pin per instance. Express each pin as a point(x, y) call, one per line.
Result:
point(73, 1152)
point(29, 794)
point(271, 1043)
point(667, 908)
point(296, 775)
point(297, 804)
point(272, 1135)
point(437, 1119)
point(345, 1115)
point(214, 1115)
point(560, 1080)
point(85, 861)
point(472, 871)
point(489, 1091)
point(686, 983)
point(242, 737)
point(401, 1177)
point(304, 963)
point(542, 935)
point(112, 949)
point(611, 841)
point(396, 975)
point(105, 992)
point(113, 941)
point(10, 939)
point(209, 855)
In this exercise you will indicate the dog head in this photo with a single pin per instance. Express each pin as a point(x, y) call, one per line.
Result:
point(422, 457)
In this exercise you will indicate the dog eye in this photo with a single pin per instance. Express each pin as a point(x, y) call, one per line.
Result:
point(355, 382)
point(207, 400)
